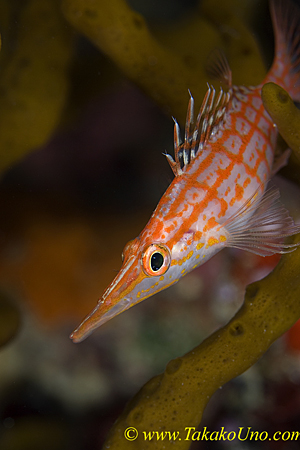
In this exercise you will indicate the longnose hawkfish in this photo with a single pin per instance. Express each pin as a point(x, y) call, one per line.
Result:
point(218, 197)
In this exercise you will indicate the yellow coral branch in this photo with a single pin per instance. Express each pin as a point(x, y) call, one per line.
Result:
point(165, 73)
point(35, 56)
point(123, 35)
point(284, 113)
point(176, 399)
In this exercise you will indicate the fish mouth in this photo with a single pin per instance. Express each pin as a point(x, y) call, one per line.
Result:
point(97, 317)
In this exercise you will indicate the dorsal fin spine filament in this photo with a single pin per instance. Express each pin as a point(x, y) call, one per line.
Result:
point(209, 119)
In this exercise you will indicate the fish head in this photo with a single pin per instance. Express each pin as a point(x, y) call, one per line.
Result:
point(142, 274)
point(148, 267)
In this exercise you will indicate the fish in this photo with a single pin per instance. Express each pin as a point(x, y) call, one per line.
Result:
point(219, 196)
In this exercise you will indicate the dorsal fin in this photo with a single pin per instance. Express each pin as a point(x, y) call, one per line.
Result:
point(218, 68)
point(209, 119)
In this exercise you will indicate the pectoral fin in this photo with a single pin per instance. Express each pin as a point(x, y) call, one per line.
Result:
point(261, 225)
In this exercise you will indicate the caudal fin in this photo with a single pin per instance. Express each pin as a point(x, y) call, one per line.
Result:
point(285, 69)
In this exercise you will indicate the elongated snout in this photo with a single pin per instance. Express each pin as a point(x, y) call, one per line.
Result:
point(97, 317)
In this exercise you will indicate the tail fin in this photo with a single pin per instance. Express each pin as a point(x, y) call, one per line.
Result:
point(285, 69)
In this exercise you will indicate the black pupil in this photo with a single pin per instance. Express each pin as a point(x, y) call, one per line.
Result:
point(157, 261)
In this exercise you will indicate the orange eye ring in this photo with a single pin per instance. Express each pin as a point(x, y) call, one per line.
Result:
point(156, 260)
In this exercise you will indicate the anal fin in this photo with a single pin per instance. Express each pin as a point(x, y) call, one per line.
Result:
point(261, 225)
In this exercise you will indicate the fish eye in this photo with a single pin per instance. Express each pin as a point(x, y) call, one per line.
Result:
point(156, 259)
